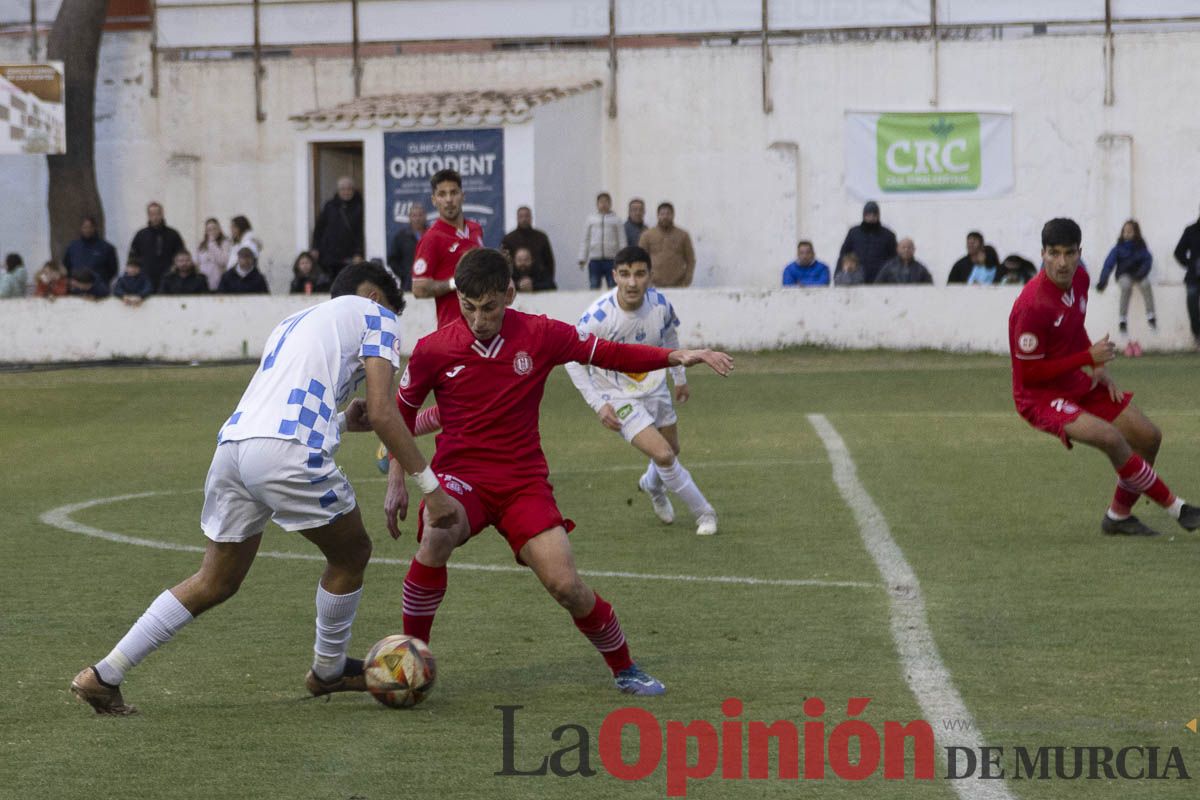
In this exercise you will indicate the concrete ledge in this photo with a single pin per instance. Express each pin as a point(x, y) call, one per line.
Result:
point(959, 319)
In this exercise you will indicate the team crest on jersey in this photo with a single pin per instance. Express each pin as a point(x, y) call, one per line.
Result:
point(396, 345)
point(405, 380)
point(640, 336)
point(453, 484)
point(583, 336)
point(1028, 342)
point(419, 267)
point(523, 363)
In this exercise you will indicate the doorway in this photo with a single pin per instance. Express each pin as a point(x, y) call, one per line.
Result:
point(330, 161)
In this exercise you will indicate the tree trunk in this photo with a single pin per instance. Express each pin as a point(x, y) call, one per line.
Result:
point(75, 40)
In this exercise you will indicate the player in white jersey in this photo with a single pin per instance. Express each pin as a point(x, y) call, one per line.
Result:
point(639, 406)
point(274, 461)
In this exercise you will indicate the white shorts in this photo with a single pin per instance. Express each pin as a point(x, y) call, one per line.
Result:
point(637, 414)
point(256, 480)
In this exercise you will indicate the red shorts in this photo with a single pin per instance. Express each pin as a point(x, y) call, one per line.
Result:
point(1053, 415)
point(519, 513)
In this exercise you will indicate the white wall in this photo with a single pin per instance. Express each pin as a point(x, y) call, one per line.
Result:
point(690, 129)
point(903, 318)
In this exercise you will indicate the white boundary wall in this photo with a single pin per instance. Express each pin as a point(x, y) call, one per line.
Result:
point(965, 319)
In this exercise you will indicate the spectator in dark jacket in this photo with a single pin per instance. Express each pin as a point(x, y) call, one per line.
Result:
point(307, 277)
point(338, 234)
point(155, 245)
point(635, 220)
point(1187, 253)
point(184, 277)
point(132, 287)
point(91, 252)
point(1132, 261)
point(538, 245)
point(871, 242)
point(403, 247)
point(84, 284)
point(1016, 269)
point(904, 268)
point(245, 277)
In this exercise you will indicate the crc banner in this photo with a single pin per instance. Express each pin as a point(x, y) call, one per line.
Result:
point(929, 154)
point(32, 114)
point(412, 158)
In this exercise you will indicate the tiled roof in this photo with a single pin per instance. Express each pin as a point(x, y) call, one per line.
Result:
point(434, 109)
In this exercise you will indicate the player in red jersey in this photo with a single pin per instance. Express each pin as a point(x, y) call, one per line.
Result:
point(440, 248)
point(1050, 350)
point(488, 371)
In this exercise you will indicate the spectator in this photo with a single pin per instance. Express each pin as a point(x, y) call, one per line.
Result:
point(51, 281)
point(962, 268)
point(1132, 261)
point(806, 270)
point(538, 245)
point(307, 277)
point(904, 268)
point(241, 233)
point(83, 283)
point(635, 224)
point(850, 273)
point(155, 245)
point(404, 245)
point(133, 286)
point(212, 254)
point(14, 281)
point(1187, 253)
point(603, 237)
point(244, 278)
point(184, 278)
point(523, 269)
point(92, 253)
point(1017, 270)
point(670, 247)
point(985, 267)
point(871, 242)
point(338, 234)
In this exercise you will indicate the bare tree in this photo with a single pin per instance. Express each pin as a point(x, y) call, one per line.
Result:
point(75, 40)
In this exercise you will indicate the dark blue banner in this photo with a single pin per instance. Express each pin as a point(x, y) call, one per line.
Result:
point(412, 158)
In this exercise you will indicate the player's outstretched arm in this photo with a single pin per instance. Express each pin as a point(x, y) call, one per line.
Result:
point(720, 363)
point(392, 430)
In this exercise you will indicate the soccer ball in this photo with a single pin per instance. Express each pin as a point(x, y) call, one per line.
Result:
point(400, 671)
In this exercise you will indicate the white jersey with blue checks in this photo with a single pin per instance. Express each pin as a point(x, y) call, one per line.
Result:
point(313, 361)
point(653, 323)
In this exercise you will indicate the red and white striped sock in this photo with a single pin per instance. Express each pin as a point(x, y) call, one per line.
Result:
point(424, 588)
point(1140, 477)
point(603, 630)
point(1124, 498)
point(428, 421)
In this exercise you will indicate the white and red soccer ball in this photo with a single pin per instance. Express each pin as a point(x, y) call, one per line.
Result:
point(400, 671)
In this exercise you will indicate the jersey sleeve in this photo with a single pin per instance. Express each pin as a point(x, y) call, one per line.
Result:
point(424, 259)
point(382, 337)
point(1027, 335)
point(580, 373)
point(670, 340)
point(416, 383)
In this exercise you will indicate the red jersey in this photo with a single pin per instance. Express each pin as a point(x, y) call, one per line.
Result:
point(1046, 324)
point(437, 255)
point(489, 393)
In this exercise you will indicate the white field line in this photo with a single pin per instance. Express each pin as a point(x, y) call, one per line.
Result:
point(927, 676)
point(61, 518)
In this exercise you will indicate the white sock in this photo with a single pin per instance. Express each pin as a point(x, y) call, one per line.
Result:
point(335, 615)
point(679, 480)
point(651, 479)
point(1116, 517)
point(161, 621)
point(1176, 508)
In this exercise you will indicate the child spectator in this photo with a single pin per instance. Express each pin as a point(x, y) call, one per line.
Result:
point(850, 273)
point(51, 281)
point(1132, 261)
point(183, 277)
point(307, 277)
point(14, 281)
point(244, 278)
point(85, 284)
point(132, 287)
point(212, 254)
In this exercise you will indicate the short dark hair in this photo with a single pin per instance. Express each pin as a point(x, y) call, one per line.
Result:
point(88, 218)
point(803, 242)
point(604, 194)
point(482, 271)
point(133, 261)
point(633, 200)
point(443, 175)
point(1061, 231)
point(242, 223)
point(665, 204)
point(354, 275)
point(976, 235)
point(13, 260)
point(632, 255)
point(184, 251)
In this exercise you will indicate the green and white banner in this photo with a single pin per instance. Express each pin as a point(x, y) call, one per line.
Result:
point(928, 154)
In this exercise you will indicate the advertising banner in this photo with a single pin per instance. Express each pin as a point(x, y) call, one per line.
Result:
point(33, 117)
